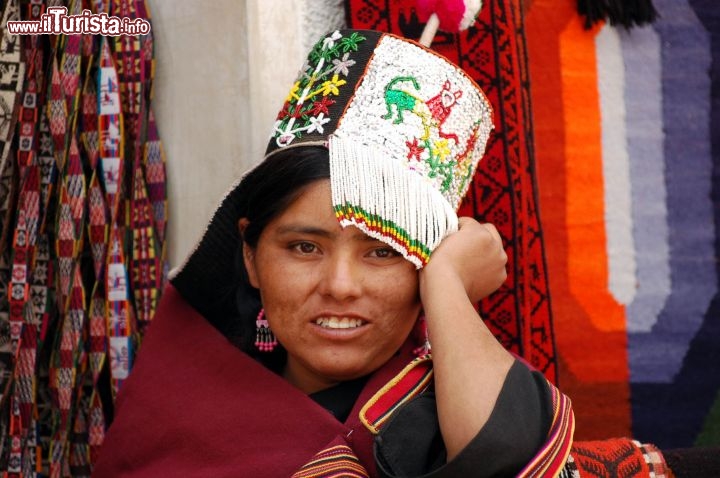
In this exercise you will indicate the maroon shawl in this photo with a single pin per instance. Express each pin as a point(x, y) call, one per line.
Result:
point(195, 405)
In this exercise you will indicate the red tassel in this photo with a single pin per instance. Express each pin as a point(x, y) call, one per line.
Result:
point(450, 13)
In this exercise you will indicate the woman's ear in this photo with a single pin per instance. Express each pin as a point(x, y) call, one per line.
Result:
point(248, 253)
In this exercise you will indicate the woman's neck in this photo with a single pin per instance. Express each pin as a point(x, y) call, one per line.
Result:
point(302, 379)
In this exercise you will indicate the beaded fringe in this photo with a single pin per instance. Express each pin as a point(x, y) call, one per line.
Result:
point(388, 201)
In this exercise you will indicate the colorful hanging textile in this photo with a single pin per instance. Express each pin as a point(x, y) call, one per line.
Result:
point(109, 126)
point(626, 143)
point(119, 319)
point(89, 129)
point(48, 166)
point(81, 235)
point(154, 162)
point(70, 65)
point(57, 115)
point(12, 73)
point(11, 82)
point(146, 265)
point(145, 269)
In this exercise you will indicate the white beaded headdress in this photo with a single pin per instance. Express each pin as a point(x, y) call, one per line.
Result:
point(405, 130)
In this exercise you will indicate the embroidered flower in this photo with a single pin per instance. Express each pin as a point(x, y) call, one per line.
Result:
point(321, 106)
point(293, 92)
point(317, 122)
point(342, 64)
point(414, 149)
point(330, 87)
point(329, 42)
point(442, 149)
point(308, 102)
point(351, 42)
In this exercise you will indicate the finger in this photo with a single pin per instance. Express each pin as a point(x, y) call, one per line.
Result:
point(494, 233)
point(465, 220)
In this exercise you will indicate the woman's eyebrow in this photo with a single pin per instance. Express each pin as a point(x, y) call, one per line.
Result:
point(319, 231)
point(304, 229)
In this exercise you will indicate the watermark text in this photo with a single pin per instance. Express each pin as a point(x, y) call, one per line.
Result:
point(56, 21)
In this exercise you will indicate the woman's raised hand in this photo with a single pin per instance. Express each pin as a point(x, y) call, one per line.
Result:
point(474, 255)
point(470, 364)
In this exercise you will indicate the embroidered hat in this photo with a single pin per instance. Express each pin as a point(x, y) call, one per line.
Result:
point(405, 130)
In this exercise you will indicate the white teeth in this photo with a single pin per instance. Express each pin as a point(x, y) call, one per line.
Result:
point(338, 322)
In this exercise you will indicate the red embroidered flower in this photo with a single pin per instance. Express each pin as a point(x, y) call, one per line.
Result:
point(414, 149)
point(322, 105)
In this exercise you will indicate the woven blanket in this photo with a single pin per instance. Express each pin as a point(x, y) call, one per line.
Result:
point(626, 142)
point(619, 139)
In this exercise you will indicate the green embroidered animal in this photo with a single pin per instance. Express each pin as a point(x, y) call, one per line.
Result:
point(400, 99)
point(433, 112)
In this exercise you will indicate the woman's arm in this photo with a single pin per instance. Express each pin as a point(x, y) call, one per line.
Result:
point(470, 364)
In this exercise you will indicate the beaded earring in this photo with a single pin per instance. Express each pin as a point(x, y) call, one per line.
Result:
point(265, 340)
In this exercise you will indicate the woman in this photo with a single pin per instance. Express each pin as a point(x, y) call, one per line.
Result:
point(348, 257)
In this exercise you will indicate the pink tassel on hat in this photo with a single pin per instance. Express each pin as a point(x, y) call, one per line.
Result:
point(448, 15)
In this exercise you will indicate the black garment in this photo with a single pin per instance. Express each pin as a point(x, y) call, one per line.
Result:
point(340, 399)
point(411, 445)
point(699, 462)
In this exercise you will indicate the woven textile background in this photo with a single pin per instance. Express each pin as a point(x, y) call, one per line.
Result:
point(617, 132)
point(83, 214)
point(626, 138)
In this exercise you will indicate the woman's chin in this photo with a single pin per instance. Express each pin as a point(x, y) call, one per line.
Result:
point(344, 370)
point(330, 368)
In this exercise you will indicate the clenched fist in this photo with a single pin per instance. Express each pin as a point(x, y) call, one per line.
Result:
point(474, 256)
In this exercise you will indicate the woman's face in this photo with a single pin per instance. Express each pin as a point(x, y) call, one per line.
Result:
point(340, 302)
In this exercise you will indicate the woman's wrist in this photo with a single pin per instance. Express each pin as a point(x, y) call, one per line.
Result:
point(441, 280)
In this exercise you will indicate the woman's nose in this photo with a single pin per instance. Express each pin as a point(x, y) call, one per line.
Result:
point(341, 278)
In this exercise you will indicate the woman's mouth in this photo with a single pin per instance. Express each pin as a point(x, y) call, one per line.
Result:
point(338, 322)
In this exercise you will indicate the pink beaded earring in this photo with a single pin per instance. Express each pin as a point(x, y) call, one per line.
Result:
point(265, 340)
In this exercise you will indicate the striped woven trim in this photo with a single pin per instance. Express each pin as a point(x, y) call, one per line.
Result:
point(89, 132)
point(385, 227)
point(336, 461)
point(118, 311)
point(96, 428)
point(70, 70)
point(110, 128)
point(654, 460)
point(58, 115)
point(145, 265)
point(98, 228)
point(408, 384)
point(155, 175)
point(551, 458)
point(12, 85)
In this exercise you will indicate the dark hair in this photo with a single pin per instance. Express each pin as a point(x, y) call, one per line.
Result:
point(262, 195)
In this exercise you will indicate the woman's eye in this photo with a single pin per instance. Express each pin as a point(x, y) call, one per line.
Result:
point(305, 247)
point(384, 252)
